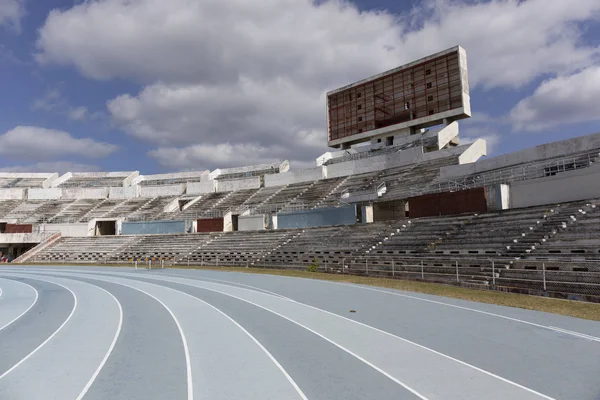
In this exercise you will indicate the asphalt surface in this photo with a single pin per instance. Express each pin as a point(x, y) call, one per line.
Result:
point(120, 333)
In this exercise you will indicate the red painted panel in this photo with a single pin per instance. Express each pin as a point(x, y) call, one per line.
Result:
point(209, 225)
point(18, 228)
point(448, 203)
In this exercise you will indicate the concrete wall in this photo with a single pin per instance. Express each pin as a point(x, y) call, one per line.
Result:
point(62, 179)
point(574, 185)
point(153, 227)
point(238, 184)
point(475, 151)
point(48, 182)
point(201, 187)
point(67, 230)
point(550, 150)
point(318, 217)
point(377, 163)
point(167, 190)
point(251, 223)
point(129, 180)
point(11, 238)
point(124, 192)
point(12, 194)
point(44, 194)
point(286, 178)
point(85, 193)
point(497, 197)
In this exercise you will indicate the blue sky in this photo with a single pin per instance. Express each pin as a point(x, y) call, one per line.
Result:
point(161, 86)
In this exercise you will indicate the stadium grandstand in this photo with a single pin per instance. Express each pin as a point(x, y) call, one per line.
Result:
point(398, 196)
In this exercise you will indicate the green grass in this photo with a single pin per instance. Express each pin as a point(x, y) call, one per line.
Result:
point(570, 308)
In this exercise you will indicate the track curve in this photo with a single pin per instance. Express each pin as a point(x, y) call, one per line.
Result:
point(119, 333)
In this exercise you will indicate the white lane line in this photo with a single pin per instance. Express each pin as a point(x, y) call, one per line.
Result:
point(188, 363)
point(28, 308)
point(231, 283)
point(389, 334)
point(581, 335)
point(318, 334)
point(436, 352)
point(110, 348)
point(49, 337)
point(552, 328)
point(279, 366)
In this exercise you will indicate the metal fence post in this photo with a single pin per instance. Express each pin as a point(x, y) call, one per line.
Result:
point(393, 269)
point(457, 279)
point(343, 265)
point(367, 266)
point(493, 274)
point(544, 275)
point(217, 260)
point(422, 271)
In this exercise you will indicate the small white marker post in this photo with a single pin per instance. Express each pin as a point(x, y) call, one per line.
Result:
point(457, 280)
point(422, 271)
point(544, 275)
point(493, 274)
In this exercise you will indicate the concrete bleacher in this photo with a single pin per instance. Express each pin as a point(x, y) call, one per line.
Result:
point(90, 249)
point(92, 179)
point(237, 248)
point(169, 248)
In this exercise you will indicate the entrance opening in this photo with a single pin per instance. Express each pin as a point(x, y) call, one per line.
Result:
point(105, 228)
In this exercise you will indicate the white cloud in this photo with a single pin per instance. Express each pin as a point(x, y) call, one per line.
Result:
point(78, 113)
point(11, 12)
point(229, 74)
point(211, 156)
point(35, 143)
point(51, 100)
point(53, 166)
point(561, 100)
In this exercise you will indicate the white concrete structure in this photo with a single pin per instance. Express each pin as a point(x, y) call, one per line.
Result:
point(167, 190)
point(12, 194)
point(533, 154)
point(201, 187)
point(129, 192)
point(286, 178)
point(231, 185)
point(44, 194)
point(67, 230)
point(573, 185)
point(85, 193)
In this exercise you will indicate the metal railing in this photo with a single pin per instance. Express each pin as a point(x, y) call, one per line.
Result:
point(534, 170)
point(577, 280)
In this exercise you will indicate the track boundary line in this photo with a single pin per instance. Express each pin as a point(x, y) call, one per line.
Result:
point(110, 348)
point(390, 334)
point(316, 333)
point(28, 308)
point(552, 328)
point(49, 337)
point(273, 359)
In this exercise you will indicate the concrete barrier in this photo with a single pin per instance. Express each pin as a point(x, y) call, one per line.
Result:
point(153, 227)
point(251, 223)
point(12, 194)
point(317, 217)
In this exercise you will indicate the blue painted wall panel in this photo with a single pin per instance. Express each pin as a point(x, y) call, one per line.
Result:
point(318, 217)
point(153, 227)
